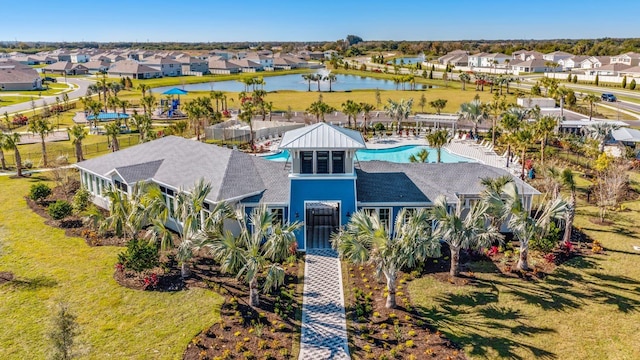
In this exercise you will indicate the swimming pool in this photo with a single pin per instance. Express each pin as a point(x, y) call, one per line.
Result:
point(398, 154)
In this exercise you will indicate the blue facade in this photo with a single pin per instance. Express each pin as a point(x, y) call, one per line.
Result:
point(310, 190)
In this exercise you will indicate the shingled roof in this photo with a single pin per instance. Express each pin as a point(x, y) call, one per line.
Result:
point(381, 181)
point(180, 163)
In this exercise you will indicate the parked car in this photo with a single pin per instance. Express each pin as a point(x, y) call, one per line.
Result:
point(608, 97)
point(50, 79)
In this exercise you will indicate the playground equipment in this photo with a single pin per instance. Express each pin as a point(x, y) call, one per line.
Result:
point(170, 107)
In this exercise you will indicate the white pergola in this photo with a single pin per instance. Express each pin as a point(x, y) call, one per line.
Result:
point(438, 119)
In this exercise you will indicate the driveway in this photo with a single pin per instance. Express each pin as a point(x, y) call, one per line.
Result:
point(80, 91)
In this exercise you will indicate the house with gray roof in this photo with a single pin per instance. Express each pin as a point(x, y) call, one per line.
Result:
point(18, 77)
point(321, 184)
point(133, 69)
point(66, 67)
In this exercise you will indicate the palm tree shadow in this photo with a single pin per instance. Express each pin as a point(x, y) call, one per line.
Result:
point(38, 282)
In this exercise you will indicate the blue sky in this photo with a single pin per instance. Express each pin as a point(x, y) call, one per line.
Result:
point(267, 20)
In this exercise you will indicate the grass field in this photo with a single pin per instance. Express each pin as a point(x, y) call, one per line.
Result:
point(587, 309)
point(115, 322)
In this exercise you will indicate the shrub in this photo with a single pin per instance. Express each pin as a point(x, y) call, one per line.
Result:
point(139, 256)
point(547, 243)
point(60, 209)
point(39, 192)
point(632, 85)
point(28, 164)
point(550, 258)
point(379, 127)
point(81, 200)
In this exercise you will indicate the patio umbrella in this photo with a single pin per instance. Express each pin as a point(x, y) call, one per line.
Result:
point(175, 91)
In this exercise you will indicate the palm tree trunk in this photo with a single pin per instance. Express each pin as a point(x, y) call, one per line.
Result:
point(79, 156)
point(309, 83)
point(4, 165)
point(522, 161)
point(254, 296)
point(508, 154)
point(439, 152)
point(523, 262)
point(18, 161)
point(542, 150)
point(391, 297)
point(455, 261)
point(44, 150)
point(493, 132)
point(568, 226)
point(184, 270)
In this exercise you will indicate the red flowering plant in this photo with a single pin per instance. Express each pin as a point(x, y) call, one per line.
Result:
point(119, 267)
point(550, 258)
point(151, 281)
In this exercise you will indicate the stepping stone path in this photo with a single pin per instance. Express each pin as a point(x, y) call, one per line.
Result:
point(324, 326)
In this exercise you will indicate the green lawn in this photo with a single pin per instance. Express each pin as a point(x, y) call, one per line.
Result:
point(11, 100)
point(587, 309)
point(115, 322)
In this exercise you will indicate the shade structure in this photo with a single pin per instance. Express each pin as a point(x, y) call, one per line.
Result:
point(175, 91)
point(108, 116)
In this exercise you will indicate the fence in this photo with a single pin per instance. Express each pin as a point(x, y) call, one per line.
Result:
point(89, 150)
point(230, 131)
point(590, 78)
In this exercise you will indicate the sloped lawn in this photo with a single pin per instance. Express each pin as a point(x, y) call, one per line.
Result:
point(115, 322)
point(588, 308)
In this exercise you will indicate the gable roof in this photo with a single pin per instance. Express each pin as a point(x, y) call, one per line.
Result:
point(18, 75)
point(131, 67)
point(322, 136)
point(180, 163)
point(381, 181)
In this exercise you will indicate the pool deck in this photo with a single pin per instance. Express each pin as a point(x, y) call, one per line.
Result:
point(480, 152)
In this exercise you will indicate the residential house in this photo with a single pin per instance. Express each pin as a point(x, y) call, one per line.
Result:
point(193, 64)
point(223, 67)
point(493, 60)
point(524, 55)
point(476, 59)
point(265, 61)
point(97, 66)
point(65, 67)
point(133, 69)
point(556, 56)
point(166, 66)
point(593, 62)
point(80, 57)
point(455, 58)
point(247, 65)
point(571, 62)
point(321, 188)
point(533, 66)
point(17, 77)
point(629, 58)
point(608, 70)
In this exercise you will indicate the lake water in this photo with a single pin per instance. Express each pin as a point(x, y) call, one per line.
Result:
point(409, 60)
point(398, 154)
point(291, 82)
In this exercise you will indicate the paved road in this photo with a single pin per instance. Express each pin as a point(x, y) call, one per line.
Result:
point(81, 90)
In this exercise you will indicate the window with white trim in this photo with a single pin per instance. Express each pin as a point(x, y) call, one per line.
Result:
point(383, 213)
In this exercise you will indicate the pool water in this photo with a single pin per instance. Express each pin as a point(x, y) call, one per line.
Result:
point(399, 154)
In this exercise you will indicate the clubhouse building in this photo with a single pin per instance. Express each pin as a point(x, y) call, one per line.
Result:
point(321, 184)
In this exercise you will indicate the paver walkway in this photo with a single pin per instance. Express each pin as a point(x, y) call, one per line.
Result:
point(324, 326)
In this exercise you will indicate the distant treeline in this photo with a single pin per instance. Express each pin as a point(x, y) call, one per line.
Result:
point(605, 46)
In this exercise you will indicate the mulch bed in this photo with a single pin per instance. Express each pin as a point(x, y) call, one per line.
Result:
point(5, 277)
point(376, 332)
point(267, 332)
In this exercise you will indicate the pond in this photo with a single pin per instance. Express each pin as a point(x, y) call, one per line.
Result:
point(292, 82)
point(398, 154)
point(408, 60)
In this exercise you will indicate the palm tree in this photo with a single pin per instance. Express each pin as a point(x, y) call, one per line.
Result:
point(246, 115)
point(11, 142)
point(317, 78)
point(95, 108)
point(330, 78)
point(524, 138)
point(462, 232)
point(319, 109)
point(492, 196)
point(149, 102)
point(78, 133)
point(474, 111)
point(591, 99)
point(464, 79)
point(421, 156)
point(438, 139)
point(544, 127)
point(524, 226)
point(366, 109)
point(126, 217)
point(366, 240)
point(260, 248)
point(188, 214)
point(112, 131)
point(569, 182)
point(195, 112)
point(510, 123)
point(308, 78)
point(602, 132)
point(398, 110)
point(438, 104)
point(496, 108)
point(2, 159)
point(42, 127)
point(351, 109)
